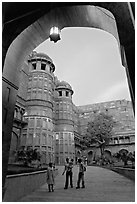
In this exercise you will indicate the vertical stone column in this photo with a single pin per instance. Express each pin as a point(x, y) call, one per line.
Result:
point(129, 73)
point(38, 65)
point(10, 84)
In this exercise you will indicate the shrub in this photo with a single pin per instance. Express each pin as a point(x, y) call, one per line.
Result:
point(27, 156)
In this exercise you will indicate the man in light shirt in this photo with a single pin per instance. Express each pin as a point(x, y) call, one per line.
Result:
point(68, 170)
point(82, 169)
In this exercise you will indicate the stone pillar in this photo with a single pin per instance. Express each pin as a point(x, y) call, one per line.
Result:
point(38, 65)
point(9, 93)
point(130, 71)
point(118, 139)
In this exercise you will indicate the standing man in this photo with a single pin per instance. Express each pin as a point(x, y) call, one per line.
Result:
point(68, 170)
point(82, 168)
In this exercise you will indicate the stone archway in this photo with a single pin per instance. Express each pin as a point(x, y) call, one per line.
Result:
point(121, 151)
point(30, 38)
point(107, 152)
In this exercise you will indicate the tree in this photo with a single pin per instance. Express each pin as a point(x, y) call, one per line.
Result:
point(131, 157)
point(27, 156)
point(126, 156)
point(99, 130)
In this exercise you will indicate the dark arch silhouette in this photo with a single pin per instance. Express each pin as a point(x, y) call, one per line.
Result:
point(123, 151)
point(19, 17)
point(90, 152)
point(107, 151)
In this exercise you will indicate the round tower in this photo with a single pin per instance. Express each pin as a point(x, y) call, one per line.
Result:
point(39, 106)
point(64, 124)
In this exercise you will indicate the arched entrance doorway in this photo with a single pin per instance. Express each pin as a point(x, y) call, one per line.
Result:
point(23, 43)
point(77, 155)
point(107, 154)
point(90, 156)
point(123, 151)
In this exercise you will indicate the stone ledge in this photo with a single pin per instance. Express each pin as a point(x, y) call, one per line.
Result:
point(127, 172)
point(21, 185)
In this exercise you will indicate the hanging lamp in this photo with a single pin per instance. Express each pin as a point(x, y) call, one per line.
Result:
point(54, 34)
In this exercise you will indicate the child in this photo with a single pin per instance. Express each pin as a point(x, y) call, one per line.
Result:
point(80, 174)
point(50, 177)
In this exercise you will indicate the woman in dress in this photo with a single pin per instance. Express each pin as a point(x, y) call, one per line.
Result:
point(50, 177)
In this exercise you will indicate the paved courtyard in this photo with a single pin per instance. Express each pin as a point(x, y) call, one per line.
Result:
point(102, 185)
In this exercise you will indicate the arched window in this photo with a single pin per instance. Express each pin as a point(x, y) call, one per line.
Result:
point(107, 152)
point(115, 140)
point(90, 153)
point(127, 139)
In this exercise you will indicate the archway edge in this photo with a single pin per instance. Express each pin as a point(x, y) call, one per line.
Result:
point(17, 16)
point(12, 27)
point(36, 33)
point(14, 13)
point(90, 152)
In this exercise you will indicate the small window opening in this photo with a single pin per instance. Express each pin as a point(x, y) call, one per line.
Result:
point(51, 70)
point(60, 93)
point(67, 93)
point(34, 66)
point(43, 66)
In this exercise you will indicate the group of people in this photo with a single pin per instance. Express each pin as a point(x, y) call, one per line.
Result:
point(68, 170)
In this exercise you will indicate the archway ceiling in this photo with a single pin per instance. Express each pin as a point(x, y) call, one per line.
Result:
point(15, 16)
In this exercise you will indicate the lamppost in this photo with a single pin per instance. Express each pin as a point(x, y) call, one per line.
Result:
point(55, 34)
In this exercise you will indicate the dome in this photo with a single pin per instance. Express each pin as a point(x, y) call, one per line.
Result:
point(34, 54)
point(63, 84)
point(43, 55)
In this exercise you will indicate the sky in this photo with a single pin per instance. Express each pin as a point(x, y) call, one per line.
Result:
point(89, 60)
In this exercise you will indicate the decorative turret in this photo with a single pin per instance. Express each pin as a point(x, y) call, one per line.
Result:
point(64, 89)
point(64, 125)
point(39, 105)
point(41, 61)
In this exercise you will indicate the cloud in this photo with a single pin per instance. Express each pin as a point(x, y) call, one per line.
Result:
point(118, 91)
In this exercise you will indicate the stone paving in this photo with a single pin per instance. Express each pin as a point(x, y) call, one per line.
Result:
point(102, 185)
